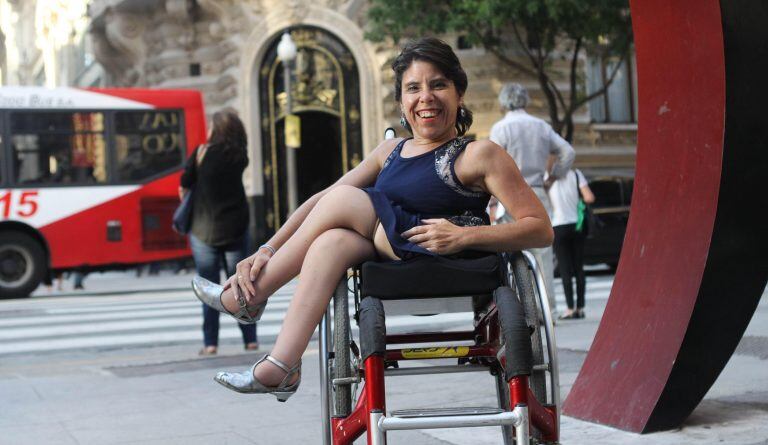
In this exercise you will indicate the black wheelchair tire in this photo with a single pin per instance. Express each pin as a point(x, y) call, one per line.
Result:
point(523, 278)
point(342, 366)
point(29, 255)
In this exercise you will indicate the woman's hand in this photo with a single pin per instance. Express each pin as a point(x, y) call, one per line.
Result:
point(245, 274)
point(437, 235)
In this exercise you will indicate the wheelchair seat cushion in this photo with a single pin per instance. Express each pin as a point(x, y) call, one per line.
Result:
point(424, 277)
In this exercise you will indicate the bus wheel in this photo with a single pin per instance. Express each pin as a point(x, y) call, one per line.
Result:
point(22, 264)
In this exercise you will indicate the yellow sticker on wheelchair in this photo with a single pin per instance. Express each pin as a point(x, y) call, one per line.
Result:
point(439, 352)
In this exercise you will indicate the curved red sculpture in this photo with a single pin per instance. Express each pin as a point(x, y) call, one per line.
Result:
point(694, 260)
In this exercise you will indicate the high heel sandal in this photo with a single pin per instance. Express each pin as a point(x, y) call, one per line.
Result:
point(210, 294)
point(246, 383)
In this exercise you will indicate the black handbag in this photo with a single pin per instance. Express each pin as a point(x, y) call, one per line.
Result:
point(182, 217)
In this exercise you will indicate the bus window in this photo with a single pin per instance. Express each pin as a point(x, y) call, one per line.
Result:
point(58, 147)
point(147, 143)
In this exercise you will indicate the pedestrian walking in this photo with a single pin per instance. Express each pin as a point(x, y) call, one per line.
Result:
point(564, 195)
point(531, 141)
point(218, 235)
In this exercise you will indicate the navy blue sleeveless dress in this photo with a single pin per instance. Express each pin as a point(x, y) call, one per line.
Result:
point(409, 190)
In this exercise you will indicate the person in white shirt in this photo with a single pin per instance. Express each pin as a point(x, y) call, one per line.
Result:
point(531, 141)
point(564, 195)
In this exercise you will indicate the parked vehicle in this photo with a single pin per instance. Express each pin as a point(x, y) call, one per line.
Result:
point(613, 195)
point(89, 178)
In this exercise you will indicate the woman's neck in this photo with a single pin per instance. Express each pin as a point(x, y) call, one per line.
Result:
point(422, 144)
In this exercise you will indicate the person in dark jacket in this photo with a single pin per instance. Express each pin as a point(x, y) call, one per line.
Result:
point(219, 236)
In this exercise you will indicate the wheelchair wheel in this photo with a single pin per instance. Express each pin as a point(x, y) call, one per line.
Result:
point(342, 363)
point(523, 279)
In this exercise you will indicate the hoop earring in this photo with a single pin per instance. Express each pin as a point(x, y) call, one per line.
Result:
point(462, 112)
point(403, 121)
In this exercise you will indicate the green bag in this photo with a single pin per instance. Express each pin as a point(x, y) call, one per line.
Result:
point(584, 218)
point(581, 213)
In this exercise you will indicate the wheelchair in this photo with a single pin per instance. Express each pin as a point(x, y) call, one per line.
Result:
point(513, 339)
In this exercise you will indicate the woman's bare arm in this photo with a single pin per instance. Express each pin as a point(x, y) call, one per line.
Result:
point(586, 194)
point(489, 167)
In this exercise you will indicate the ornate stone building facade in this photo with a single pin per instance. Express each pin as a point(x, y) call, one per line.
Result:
point(342, 84)
point(44, 43)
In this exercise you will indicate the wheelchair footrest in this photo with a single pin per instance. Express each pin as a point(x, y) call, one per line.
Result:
point(453, 418)
point(442, 412)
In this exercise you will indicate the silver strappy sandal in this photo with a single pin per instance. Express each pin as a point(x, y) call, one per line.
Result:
point(210, 293)
point(246, 383)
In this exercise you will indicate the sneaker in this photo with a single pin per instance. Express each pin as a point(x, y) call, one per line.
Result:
point(569, 316)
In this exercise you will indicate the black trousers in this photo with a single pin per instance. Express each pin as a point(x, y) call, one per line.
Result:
point(569, 250)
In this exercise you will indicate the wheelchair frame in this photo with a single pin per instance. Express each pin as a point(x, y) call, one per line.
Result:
point(526, 414)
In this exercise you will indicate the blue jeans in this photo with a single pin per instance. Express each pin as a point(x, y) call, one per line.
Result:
point(208, 262)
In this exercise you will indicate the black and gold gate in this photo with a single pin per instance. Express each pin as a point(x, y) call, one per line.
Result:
point(325, 94)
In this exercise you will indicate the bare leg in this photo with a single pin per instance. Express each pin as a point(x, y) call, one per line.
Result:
point(344, 207)
point(335, 235)
point(330, 255)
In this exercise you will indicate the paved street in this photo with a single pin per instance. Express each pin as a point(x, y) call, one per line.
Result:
point(110, 366)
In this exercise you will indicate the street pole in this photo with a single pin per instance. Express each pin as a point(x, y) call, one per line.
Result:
point(286, 52)
point(290, 153)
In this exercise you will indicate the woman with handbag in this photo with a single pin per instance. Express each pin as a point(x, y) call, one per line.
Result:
point(569, 196)
point(219, 216)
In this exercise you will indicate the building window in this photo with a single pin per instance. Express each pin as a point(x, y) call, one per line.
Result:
point(147, 143)
point(618, 104)
point(58, 148)
point(194, 69)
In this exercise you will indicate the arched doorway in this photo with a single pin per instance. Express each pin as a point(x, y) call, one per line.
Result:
point(325, 95)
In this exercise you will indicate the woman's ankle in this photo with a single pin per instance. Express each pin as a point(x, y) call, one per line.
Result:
point(230, 303)
point(269, 374)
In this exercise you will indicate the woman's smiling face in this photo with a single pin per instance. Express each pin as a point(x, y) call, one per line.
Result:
point(429, 101)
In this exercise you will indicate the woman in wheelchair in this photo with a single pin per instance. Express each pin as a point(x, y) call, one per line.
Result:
point(423, 195)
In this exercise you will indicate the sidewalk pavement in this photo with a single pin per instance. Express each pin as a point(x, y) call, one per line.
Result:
point(165, 395)
point(734, 411)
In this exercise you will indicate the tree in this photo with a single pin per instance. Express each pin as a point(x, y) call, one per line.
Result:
point(527, 35)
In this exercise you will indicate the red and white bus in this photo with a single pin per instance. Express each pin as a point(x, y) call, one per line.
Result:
point(89, 179)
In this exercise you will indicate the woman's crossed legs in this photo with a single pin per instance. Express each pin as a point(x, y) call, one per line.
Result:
point(336, 235)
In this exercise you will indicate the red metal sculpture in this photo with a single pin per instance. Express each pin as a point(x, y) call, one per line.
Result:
point(694, 261)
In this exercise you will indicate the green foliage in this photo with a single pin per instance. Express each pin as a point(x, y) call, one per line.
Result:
point(481, 20)
point(510, 29)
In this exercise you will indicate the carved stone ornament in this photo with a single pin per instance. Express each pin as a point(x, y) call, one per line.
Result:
point(119, 46)
point(178, 9)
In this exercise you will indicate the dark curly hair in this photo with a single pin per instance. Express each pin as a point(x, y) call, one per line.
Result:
point(229, 133)
point(439, 54)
